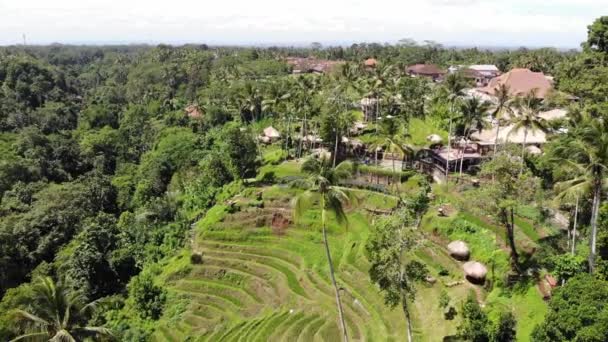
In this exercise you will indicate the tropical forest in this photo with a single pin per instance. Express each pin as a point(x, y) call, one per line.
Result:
point(370, 192)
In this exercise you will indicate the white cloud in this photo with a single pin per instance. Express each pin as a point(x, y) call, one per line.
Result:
point(487, 22)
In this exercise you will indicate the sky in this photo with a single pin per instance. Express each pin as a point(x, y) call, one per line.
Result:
point(500, 23)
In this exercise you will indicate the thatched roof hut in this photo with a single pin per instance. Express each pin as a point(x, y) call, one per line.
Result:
point(194, 111)
point(459, 250)
point(475, 272)
point(434, 139)
point(271, 132)
point(370, 62)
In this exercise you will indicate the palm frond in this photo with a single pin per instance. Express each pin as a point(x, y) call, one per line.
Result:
point(24, 315)
point(30, 335)
point(99, 331)
point(334, 202)
point(311, 166)
point(63, 336)
point(301, 203)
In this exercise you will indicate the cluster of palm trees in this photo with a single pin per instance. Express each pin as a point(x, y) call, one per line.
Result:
point(470, 114)
point(298, 102)
point(582, 153)
point(56, 313)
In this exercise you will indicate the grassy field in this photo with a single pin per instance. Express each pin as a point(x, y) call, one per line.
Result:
point(259, 283)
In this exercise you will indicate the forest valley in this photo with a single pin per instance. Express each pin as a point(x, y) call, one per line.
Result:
point(144, 197)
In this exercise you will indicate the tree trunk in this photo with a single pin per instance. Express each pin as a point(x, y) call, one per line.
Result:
point(496, 139)
point(447, 162)
point(394, 173)
point(523, 151)
point(594, 216)
point(466, 143)
point(574, 228)
point(511, 234)
point(331, 274)
point(376, 152)
point(406, 312)
point(336, 148)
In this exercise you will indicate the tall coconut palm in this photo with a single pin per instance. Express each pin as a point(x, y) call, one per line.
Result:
point(321, 187)
point(249, 101)
point(503, 108)
point(528, 119)
point(375, 86)
point(56, 314)
point(587, 156)
point(474, 113)
point(305, 90)
point(455, 84)
point(393, 134)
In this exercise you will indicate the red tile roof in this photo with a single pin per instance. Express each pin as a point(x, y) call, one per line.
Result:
point(371, 62)
point(520, 82)
point(425, 69)
point(310, 64)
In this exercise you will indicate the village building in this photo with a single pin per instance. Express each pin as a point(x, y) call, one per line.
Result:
point(369, 107)
point(370, 63)
point(481, 74)
point(431, 71)
point(307, 65)
point(520, 82)
point(194, 111)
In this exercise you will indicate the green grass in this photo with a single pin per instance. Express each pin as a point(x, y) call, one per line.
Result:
point(527, 305)
point(286, 169)
point(420, 129)
point(260, 286)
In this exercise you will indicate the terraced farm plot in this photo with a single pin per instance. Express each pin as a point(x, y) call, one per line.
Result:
point(259, 284)
point(256, 285)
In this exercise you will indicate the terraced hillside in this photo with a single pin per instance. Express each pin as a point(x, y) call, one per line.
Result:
point(258, 282)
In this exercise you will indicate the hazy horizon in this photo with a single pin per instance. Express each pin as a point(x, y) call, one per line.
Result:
point(462, 23)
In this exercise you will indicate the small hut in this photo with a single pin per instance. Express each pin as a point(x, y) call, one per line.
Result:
point(194, 111)
point(434, 139)
point(534, 150)
point(272, 133)
point(475, 272)
point(459, 250)
point(370, 63)
point(369, 108)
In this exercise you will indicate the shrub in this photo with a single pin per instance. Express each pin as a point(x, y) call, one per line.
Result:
point(148, 298)
point(196, 258)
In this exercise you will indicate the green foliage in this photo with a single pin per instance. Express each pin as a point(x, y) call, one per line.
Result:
point(148, 298)
point(55, 313)
point(475, 324)
point(567, 266)
point(597, 32)
point(577, 312)
point(391, 240)
point(444, 299)
point(239, 150)
point(505, 328)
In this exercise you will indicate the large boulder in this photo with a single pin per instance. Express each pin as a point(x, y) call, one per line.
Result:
point(475, 272)
point(459, 250)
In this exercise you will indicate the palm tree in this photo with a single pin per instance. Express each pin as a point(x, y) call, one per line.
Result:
point(586, 154)
point(393, 134)
point(375, 86)
point(57, 314)
point(474, 114)
point(320, 186)
point(528, 109)
point(249, 101)
point(455, 85)
point(503, 108)
point(305, 90)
